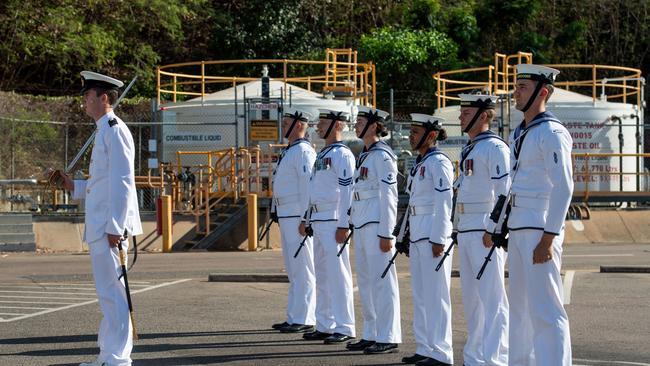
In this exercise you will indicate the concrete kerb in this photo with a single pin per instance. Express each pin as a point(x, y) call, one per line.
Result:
point(624, 269)
point(247, 277)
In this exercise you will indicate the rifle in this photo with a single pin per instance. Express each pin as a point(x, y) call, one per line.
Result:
point(402, 242)
point(500, 235)
point(273, 218)
point(347, 240)
point(308, 231)
point(454, 234)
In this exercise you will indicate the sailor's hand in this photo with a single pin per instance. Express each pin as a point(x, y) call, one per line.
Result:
point(437, 249)
point(544, 250)
point(301, 229)
point(114, 240)
point(341, 235)
point(59, 179)
point(487, 240)
point(385, 244)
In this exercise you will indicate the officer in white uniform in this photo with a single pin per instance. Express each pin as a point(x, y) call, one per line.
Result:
point(330, 195)
point(111, 209)
point(373, 214)
point(290, 201)
point(484, 175)
point(429, 219)
point(542, 186)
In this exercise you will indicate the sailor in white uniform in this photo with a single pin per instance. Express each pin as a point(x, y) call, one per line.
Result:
point(290, 201)
point(542, 186)
point(111, 213)
point(330, 196)
point(373, 214)
point(429, 219)
point(484, 175)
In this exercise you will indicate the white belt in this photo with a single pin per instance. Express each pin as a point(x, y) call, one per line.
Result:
point(537, 203)
point(465, 208)
point(420, 210)
point(324, 207)
point(364, 195)
point(286, 200)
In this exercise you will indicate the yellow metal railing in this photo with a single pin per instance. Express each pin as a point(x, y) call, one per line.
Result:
point(342, 72)
point(499, 78)
point(585, 169)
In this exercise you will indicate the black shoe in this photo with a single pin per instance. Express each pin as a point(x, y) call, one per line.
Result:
point(359, 345)
point(431, 362)
point(315, 336)
point(379, 348)
point(337, 338)
point(279, 326)
point(413, 359)
point(297, 328)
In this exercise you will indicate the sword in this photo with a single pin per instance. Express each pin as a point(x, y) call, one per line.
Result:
point(81, 152)
point(302, 243)
point(126, 285)
point(442, 260)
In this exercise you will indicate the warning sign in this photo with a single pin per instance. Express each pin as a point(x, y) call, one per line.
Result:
point(264, 130)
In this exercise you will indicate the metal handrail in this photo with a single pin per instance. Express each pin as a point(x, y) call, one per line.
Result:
point(501, 79)
point(359, 76)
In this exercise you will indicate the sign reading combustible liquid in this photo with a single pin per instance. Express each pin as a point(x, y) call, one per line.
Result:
point(264, 130)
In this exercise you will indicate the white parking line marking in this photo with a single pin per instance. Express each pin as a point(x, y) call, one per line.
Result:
point(597, 255)
point(44, 292)
point(568, 284)
point(612, 363)
point(13, 314)
point(21, 307)
point(50, 288)
point(42, 297)
point(25, 316)
point(37, 302)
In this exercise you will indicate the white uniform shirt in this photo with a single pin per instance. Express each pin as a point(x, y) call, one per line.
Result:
point(111, 201)
point(375, 190)
point(291, 179)
point(484, 175)
point(430, 185)
point(543, 172)
point(330, 186)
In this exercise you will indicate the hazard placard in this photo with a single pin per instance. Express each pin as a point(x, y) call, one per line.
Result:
point(264, 130)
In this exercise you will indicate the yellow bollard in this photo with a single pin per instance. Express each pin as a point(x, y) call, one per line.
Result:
point(167, 223)
point(251, 200)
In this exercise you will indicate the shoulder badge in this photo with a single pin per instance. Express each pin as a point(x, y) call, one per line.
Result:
point(112, 122)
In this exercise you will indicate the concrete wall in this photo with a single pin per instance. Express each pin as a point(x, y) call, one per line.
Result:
point(65, 233)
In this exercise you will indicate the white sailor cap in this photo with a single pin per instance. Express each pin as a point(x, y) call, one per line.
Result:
point(91, 79)
point(537, 73)
point(482, 101)
point(371, 114)
point(427, 121)
point(334, 115)
point(295, 113)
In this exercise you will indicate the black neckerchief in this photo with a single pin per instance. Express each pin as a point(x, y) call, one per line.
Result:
point(472, 144)
point(376, 146)
point(522, 130)
point(286, 149)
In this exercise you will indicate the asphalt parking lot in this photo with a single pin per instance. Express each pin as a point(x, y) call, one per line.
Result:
point(49, 314)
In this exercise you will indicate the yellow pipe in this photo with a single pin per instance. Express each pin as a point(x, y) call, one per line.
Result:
point(251, 200)
point(166, 223)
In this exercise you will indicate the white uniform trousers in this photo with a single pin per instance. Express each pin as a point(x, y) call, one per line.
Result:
point(334, 292)
point(379, 296)
point(431, 302)
point(301, 305)
point(484, 302)
point(539, 326)
point(115, 330)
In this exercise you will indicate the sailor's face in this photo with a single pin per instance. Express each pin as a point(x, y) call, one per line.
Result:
point(522, 93)
point(360, 125)
point(415, 135)
point(465, 117)
point(322, 127)
point(286, 124)
point(91, 102)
